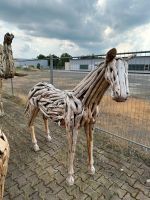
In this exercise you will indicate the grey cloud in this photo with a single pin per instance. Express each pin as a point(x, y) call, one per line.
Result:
point(67, 19)
point(25, 48)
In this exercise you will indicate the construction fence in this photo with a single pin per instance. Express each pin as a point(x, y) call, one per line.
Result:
point(129, 121)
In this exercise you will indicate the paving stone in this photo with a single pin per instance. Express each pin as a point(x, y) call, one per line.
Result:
point(22, 197)
point(54, 187)
point(117, 190)
point(40, 187)
point(129, 172)
point(50, 196)
point(141, 196)
point(90, 192)
point(94, 184)
point(6, 197)
point(81, 184)
point(115, 197)
point(62, 194)
point(142, 187)
point(130, 189)
point(33, 180)
point(129, 180)
point(14, 191)
point(27, 190)
point(35, 196)
point(59, 178)
point(16, 173)
point(21, 181)
point(100, 190)
point(102, 180)
point(128, 197)
point(78, 194)
point(46, 178)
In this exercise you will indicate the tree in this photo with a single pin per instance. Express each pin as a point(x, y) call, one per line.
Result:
point(65, 57)
point(41, 56)
point(55, 60)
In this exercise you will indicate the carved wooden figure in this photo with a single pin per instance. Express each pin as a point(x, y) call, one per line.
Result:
point(4, 156)
point(80, 106)
point(7, 67)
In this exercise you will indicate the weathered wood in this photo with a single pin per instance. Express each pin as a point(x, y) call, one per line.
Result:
point(4, 157)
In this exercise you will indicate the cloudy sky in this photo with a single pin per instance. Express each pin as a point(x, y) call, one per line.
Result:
point(78, 27)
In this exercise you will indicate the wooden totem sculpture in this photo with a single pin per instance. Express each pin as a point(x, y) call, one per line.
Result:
point(4, 156)
point(80, 106)
point(7, 67)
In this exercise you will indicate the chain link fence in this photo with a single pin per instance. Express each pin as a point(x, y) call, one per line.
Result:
point(129, 120)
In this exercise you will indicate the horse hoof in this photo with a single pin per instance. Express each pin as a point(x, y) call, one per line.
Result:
point(2, 114)
point(92, 170)
point(36, 148)
point(70, 180)
point(48, 138)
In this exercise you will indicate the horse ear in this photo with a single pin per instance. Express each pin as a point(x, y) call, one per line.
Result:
point(111, 54)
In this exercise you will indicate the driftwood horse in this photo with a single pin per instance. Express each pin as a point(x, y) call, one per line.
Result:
point(80, 106)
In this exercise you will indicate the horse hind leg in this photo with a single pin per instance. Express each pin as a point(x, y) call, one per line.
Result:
point(33, 115)
point(89, 135)
point(48, 137)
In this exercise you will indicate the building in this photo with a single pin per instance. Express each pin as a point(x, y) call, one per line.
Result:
point(24, 63)
point(87, 64)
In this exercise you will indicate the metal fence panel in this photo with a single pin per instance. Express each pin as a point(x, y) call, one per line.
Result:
point(128, 120)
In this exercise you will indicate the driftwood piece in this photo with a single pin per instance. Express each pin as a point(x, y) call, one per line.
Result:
point(4, 157)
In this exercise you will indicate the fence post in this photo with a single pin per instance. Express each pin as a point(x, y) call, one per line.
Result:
point(12, 87)
point(51, 69)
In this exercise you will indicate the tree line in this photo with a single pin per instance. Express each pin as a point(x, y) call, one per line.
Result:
point(58, 62)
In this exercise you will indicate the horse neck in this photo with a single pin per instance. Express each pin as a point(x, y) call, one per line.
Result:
point(92, 88)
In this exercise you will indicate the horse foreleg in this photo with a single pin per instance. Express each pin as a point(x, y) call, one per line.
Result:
point(48, 137)
point(1, 102)
point(89, 135)
point(72, 140)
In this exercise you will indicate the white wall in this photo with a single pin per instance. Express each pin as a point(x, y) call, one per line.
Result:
point(21, 63)
point(75, 63)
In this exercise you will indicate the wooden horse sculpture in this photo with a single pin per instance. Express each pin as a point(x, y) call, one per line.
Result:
point(4, 156)
point(80, 106)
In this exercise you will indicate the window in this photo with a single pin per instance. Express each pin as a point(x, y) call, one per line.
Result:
point(84, 67)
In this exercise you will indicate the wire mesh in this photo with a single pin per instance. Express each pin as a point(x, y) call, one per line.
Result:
point(128, 120)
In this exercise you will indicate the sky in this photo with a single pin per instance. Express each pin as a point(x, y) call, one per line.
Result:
point(78, 27)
